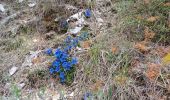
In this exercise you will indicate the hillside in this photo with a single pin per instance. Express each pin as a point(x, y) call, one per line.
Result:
point(84, 49)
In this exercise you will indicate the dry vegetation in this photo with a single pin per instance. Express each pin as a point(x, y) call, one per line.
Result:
point(127, 57)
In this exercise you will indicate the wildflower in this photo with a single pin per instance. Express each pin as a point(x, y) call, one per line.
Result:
point(51, 70)
point(49, 51)
point(58, 53)
point(66, 65)
point(63, 80)
point(56, 63)
point(87, 13)
point(62, 77)
point(74, 61)
point(64, 57)
point(57, 69)
point(68, 48)
point(75, 42)
point(68, 39)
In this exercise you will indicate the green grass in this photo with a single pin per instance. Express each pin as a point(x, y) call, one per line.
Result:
point(136, 26)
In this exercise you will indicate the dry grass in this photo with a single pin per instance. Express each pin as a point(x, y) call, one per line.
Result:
point(112, 69)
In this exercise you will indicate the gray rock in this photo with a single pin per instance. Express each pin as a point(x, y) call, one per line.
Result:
point(13, 70)
point(2, 9)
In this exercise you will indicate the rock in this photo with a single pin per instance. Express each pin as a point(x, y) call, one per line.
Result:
point(78, 21)
point(100, 21)
point(7, 85)
point(20, 1)
point(2, 9)
point(13, 70)
point(29, 58)
point(21, 85)
point(56, 96)
point(32, 4)
point(72, 94)
point(75, 30)
point(15, 29)
point(49, 35)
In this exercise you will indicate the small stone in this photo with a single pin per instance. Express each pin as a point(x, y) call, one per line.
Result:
point(2, 9)
point(49, 35)
point(20, 1)
point(79, 49)
point(100, 20)
point(21, 85)
point(13, 70)
point(32, 4)
point(72, 94)
point(7, 85)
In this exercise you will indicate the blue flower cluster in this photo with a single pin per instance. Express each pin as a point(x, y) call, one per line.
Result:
point(87, 13)
point(63, 63)
point(74, 42)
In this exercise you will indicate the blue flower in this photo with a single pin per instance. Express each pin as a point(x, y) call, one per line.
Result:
point(87, 96)
point(87, 13)
point(62, 76)
point(49, 51)
point(56, 63)
point(75, 42)
point(62, 80)
point(74, 61)
point(66, 65)
point(58, 53)
point(68, 48)
point(62, 60)
point(68, 39)
point(57, 69)
point(51, 70)
point(64, 57)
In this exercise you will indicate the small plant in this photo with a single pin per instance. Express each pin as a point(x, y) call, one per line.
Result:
point(63, 66)
point(64, 63)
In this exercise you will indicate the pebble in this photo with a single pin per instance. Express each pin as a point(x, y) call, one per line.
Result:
point(20, 1)
point(31, 4)
point(21, 85)
point(2, 9)
point(13, 70)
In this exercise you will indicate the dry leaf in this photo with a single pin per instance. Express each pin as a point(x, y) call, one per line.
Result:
point(162, 51)
point(146, 1)
point(153, 18)
point(153, 71)
point(96, 86)
point(139, 17)
point(114, 49)
point(120, 79)
point(141, 47)
point(86, 44)
point(36, 60)
point(166, 4)
point(148, 34)
point(166, 59)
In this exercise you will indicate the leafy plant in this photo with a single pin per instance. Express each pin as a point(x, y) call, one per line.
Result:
point(64, 63)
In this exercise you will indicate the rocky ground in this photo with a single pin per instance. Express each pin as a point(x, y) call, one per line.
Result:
point(112, 66)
